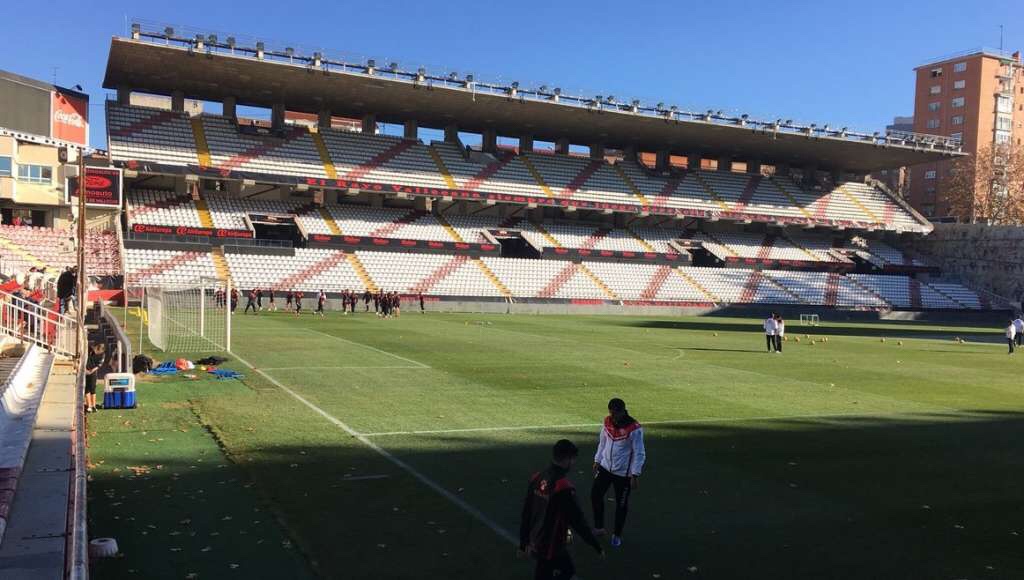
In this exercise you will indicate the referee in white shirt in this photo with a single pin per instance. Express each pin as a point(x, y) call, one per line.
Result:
point(1018, 327)
point(770, 327)
point(619, 460)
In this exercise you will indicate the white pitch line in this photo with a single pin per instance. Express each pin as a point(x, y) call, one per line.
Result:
point(365, 477)
point(645, 423)
point(332, 368)
point(375, 349)
point(459, 502)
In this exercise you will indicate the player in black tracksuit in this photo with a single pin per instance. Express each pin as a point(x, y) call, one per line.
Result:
point(549, 510)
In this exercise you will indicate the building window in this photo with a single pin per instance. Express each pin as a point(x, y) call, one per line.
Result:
point(957, 136)
point(936, 72)
point(936, 89)
point(1004, 123)
point(960, 67)
point(958, 120)
point(1002, 137)
point(958, 102)
point(1004, 104)
point(932, 124)
point(930, 174)
point(36, 174)
point(5, 166)
point(959, 84)
point(934, 106)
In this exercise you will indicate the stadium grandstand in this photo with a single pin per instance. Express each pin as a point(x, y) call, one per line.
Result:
point(307, 205)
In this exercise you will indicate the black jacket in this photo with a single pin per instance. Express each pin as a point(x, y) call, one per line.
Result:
point(549, 510)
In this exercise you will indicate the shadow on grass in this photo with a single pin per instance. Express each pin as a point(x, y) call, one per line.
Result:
point(925, 496)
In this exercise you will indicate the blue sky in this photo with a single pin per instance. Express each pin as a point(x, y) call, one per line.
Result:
point(844, 63)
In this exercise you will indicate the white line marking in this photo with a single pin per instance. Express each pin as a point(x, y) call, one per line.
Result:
point(364, 477)
point(330, 368)
point(375, 349)
point(466, 507)
point(645, 423)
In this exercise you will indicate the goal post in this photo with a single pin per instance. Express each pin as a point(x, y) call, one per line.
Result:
point(190, 317)
point(808, 320)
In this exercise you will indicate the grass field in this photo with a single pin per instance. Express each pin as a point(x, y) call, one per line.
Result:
point(366, 448)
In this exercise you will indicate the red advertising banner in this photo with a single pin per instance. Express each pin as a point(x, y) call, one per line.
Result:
point(69, 117)
point(102, 187)
point(182, 231)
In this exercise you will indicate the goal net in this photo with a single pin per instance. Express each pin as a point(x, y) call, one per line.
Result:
point(189, 317)
point(808, 320)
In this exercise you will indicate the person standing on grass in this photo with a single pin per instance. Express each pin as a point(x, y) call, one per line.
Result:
point(270, 296)
point(234, 299)
point(320, 301)
point(770, 327)
point(780, 331)
point(549, 510)
point(1011, 333)
point(288, 298)
point(94, 365)
point(618, 462)
point(366, 300)
point(259, 300)
point(398, 304)
point(1018, 328)
point(298, 302)
point(422, 309)
point(250, 302)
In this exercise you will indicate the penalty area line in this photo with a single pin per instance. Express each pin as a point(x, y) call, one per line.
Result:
point(334, 368)
point(644, 423)
point(457, 501)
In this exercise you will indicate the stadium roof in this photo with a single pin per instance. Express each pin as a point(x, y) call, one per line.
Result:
point(212, 71)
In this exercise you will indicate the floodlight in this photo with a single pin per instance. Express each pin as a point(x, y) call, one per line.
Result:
point(230, 42)
point(452, 76)
point(557, 91)
point(543, 89)
point(515, 84)
point(393, 66)
point(289, 51)
point(469, 78)
point(168, 32)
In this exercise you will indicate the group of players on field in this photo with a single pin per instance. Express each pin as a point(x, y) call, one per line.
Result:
point(385, 304)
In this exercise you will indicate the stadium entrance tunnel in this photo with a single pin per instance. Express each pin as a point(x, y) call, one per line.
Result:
point(918, 495)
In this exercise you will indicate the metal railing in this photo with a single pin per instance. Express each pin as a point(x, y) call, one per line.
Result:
point(28, 321)
point(76, 558)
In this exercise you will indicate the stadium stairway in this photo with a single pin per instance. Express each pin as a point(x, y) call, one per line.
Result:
point(202, 146)
point(536, 176)
point(864, 288)
point(25, 254)
point(948, 297)
point(329, 220)
point(915, 293)
point(547, 235)
point(267, 145)
point(381, 158)
point(863, 208)
point(792, 200)
point(598, 281)
point(439, 274)
point(220, 263)
point(581, 178)
point(325, 155)
point(154, 120)
point(161, 204)
point(810, 255)
point(357, 265)
point(647, 246)
point(442, 168)
point(693, 282)
point(449, 229)
point(731, 252)
point(644, 202)
point(765, 251)
point(158, 268)
point(831, 289)
point(493, 278)
point(204, 212)
point(711, 192)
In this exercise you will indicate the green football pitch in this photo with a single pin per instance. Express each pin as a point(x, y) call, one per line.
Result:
point(364, 448)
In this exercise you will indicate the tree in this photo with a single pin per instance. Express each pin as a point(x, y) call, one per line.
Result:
point(987, 187)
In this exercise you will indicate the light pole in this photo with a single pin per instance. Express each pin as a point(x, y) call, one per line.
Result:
point(80, 246)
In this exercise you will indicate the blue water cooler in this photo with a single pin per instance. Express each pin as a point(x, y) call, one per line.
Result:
point(119, 391)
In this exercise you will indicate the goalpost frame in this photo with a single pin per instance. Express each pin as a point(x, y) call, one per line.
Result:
point(177, 315)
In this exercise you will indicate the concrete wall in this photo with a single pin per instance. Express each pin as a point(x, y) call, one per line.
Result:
point(985, 257)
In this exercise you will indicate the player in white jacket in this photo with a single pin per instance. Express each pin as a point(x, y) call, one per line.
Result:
point(771, 326)
point(618, 462)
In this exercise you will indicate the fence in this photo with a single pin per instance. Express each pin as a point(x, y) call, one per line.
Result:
point(28, 321)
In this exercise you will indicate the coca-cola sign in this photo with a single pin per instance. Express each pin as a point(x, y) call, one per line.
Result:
point(70, 117)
